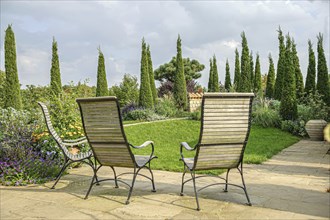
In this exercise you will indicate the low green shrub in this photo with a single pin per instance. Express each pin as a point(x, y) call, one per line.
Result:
point(166, 107)
point(294, 127)
point(266, 117)
point(143, 115)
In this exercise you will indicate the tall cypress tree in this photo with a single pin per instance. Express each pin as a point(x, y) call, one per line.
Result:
point(298, 74)
point(270, 79)
point(311, 70)
point(151, 76)
point(210, 84)
point(102, 84)
point(215, 75)
point(288, 106)
point(237, 70)
point(146, 99)
point(12, 86)
point(257, 81)
point(55, 75)
point(252, 77)
point(280, 67)
point(322, 72)
point(180, 90)
point(245, 81)
point(227, 78)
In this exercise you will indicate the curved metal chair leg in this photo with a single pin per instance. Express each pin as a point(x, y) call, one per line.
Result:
point(182, 184)
point(66, 164)
point(246, 194)
point(114, 173)
point(90, 187)
point(226, 187)
point(131, 188)
point(152, 179)
point(196, 194)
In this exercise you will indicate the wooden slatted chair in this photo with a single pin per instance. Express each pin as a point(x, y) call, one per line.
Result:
point(104, 130)
point(69, 158)
point(225, 128)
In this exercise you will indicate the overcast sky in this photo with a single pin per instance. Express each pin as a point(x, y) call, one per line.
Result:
point(206, 28)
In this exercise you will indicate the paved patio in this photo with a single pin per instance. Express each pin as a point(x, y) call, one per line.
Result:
point(292, 185)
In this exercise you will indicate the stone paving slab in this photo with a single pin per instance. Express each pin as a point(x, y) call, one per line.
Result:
point(291, 185)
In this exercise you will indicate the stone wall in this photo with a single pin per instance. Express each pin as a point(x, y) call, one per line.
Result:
point(194, 101)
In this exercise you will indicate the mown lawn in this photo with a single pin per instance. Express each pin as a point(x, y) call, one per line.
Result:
point(167, 136)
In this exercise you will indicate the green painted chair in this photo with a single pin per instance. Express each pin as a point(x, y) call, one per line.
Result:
point(224, 133)
point(104, 131)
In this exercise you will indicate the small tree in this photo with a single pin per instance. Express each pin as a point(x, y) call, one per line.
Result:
point(227, 78)
point(237, 69)
point(270, 79)
point(311, 70)
point(146, 99)
point(252, 76)
point(215, 74)
point(102, 84)
point(298, 74)
point(280, 67)
point(128, 90)
point(180, 91)
point(55, 75)
point(244, 81)
point(322, 72)
point(210, 84)
point(12, 86)
point(288, 106)
point(151, 76)
point(257, 81)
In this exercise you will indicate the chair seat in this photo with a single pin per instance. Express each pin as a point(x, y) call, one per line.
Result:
point(189, 162)
point(143, 160)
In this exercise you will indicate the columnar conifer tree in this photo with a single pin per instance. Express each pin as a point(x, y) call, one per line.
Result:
point(237, 70)
point(322, 72)
point(244, 81)
point(180, 91)
point(55, 74)
point(12, 86)
point(215, 75)
point(288, 106)
point(146, 99)
point(270, 78)
point(298, 74)
point(280, 67)
point(151, 76)
point(227, 78)
point(311, 70)
point(257, 81)
point(252, 78)
point(102, 84)
point(210, 84)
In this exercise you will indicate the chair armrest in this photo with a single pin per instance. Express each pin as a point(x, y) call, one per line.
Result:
point(187, 147)
point(75, 140)
point(151, 143)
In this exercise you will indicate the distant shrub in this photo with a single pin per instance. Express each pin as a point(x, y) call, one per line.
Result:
point(143, 115)
point(166, 107)
point(266, 117)
point(294, 127)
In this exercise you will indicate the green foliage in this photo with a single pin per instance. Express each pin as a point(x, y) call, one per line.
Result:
point(151, 76)
point(280, 67)
point(298, 74)
point(12, 86)
point(237, 69)
point(2, 88)
point(166, 107)
point(210, 84)
point(288, 108)
point(145, 97)
point(167, 71)
point(322, 85)
point(265, 113)
point(55, 75)
point(294, 127)
point(215, 75)
point(143, 115)
point(257, 81)
point(179, 90)
point(252, 77)
point(244, 84)
point(227, 78)
point(311, 70)
point(270, 78)
point(102, 83)
point(32, 94)
point(313, 107)
point(127, 91)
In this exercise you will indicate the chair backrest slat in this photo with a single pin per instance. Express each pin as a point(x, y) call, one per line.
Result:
point(104, 131)
point(224, 130)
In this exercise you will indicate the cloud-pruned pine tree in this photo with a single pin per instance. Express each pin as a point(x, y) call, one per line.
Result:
point(244, 84)
point(311, 70)
point(257, 77)
point(227, 77)
point(145, 98)
point(216, 86)
point(12, 87)
point(252, 77)
point(288, 106)
point(270, 78)
point(322, 85)
point(55, 74)
point(180, 90)
point(298, 74)
point(210, 84)
point(237, 70)
point(280, 67)
point(151, 76)
point(101, 84)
